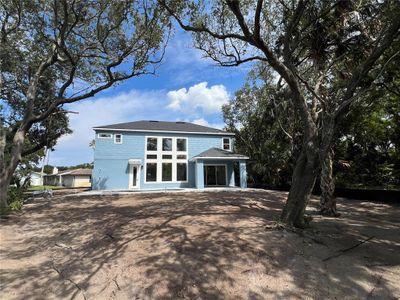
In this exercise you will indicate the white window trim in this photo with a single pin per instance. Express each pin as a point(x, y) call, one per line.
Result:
point(137, 187)
point(104, 137)
point(115, 138)
point(160, 160)
point(230, 143)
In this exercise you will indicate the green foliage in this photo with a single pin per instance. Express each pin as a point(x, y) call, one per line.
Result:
point(266, 129)
point(15, 198)
point(47, 169)
point(366, 147)
point(369, 153)
point(54, 53)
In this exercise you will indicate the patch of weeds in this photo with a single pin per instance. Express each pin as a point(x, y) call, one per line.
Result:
point(15, 201)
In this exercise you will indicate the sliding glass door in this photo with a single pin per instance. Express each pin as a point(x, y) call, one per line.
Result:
point(215, 175)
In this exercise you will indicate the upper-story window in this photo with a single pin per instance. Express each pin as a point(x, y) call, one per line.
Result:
point(227, 144)
point(181, 145)
point(151, 144)
point(167, 144)
point(117, 138)
point(104, 135)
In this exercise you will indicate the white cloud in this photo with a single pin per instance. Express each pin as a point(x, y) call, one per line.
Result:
point(123, 107)
point(199, 97)
point(203, 122)
point(199, 103)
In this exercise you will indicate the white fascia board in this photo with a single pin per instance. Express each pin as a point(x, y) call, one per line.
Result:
point(220, 158)
point(162, 131)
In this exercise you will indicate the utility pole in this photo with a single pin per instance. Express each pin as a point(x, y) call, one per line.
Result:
point(46, 151)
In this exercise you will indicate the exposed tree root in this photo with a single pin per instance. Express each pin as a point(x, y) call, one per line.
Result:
point(116, 283)
point(68, 279)
point(63, 246)
point(377, 283)
point(340, 252)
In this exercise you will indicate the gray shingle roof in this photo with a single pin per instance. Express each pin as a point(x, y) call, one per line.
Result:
point(219, 153)
point(73, 172)
point(163, 126)
point(81, 172)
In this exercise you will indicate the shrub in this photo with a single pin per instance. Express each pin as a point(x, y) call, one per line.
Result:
point(15, 198)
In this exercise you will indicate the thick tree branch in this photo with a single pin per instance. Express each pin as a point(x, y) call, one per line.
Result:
point(234, 6)
point(288, 38)
point(257, 19)
point(35, 148)
point(361, 71)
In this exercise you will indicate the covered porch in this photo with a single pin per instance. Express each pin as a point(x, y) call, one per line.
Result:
point(218, 168)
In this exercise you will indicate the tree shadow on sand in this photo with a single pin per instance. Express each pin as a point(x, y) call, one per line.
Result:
point(211, 245)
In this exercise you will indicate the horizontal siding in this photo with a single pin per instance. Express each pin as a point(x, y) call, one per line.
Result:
point(111, 169)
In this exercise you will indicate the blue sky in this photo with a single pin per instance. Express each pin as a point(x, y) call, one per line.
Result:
point(187, 87)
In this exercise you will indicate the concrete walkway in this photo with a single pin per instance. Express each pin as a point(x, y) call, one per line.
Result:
point(183, 190)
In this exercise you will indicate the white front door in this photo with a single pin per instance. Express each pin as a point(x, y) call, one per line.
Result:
point(134, 177)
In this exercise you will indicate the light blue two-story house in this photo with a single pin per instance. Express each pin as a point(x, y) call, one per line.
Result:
point(151, 155)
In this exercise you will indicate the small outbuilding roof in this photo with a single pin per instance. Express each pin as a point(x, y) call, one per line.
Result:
point(217, 153)
point(73, 172)
point(163, 126)
point(80, 172)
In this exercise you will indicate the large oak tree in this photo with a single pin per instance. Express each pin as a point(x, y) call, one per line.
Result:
point(306, 43)
point(72, 50)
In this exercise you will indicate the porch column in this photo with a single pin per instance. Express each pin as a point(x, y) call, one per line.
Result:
point(243, 174)
point(199, 174)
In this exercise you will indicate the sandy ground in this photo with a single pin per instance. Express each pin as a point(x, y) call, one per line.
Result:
point(211, 245)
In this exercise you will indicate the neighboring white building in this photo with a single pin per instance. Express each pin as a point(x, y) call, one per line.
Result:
point(35, 178)
point(70, 178)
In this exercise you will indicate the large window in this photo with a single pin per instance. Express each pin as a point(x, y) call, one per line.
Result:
point(181, 171)
point(151, 172)
point(166, 171)
point(166, 157)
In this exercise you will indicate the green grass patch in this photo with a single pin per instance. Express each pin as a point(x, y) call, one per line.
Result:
point(45, 187)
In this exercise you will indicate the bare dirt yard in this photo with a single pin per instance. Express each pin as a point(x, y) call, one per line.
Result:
point(209, 245)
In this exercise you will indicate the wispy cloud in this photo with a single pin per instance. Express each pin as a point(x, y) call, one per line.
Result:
point(188, 65)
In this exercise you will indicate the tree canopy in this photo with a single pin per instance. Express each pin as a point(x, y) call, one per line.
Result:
point(57, 52)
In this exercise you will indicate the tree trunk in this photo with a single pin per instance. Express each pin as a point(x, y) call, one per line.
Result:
point(4, 183)
point(327, 185)
point(303, 181)
point(8, 169)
